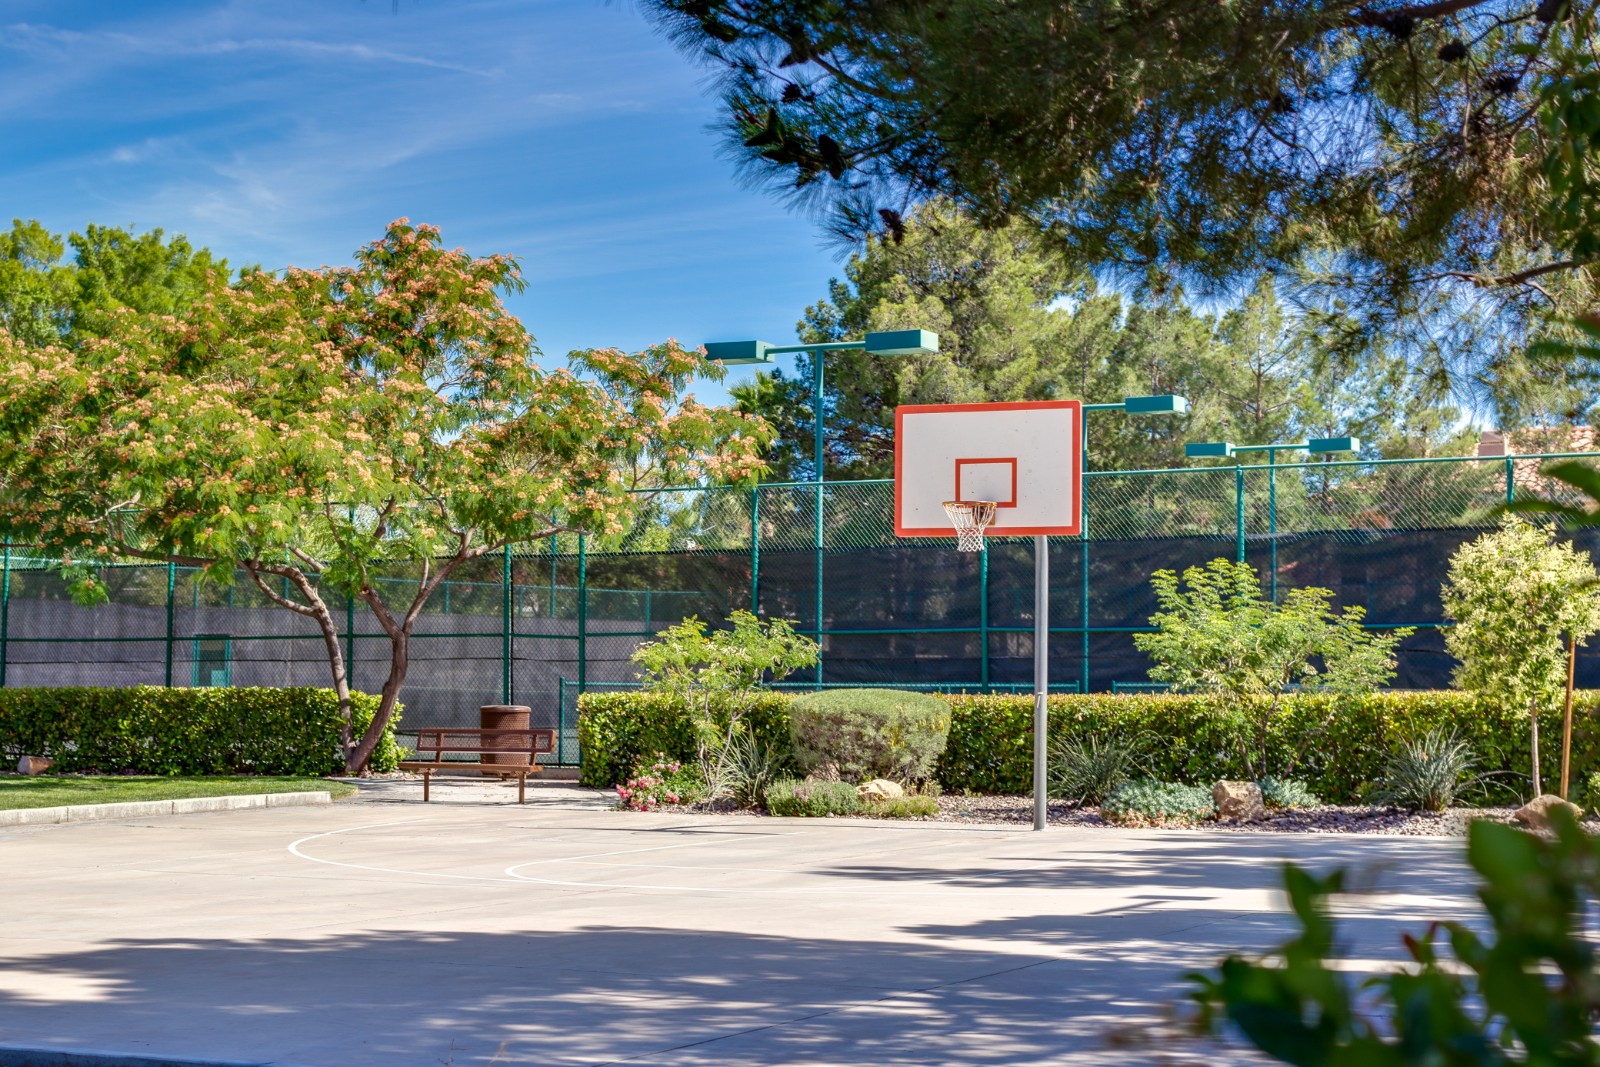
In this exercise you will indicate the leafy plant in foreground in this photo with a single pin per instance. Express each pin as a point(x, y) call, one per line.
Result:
point(1526, 994)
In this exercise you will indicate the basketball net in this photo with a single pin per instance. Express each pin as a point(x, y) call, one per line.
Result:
point(970, 518)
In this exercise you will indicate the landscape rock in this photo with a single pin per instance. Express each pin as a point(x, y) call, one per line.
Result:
point(879, 789)
point(1536, 812)
point(1238, 800)
point(34, 764)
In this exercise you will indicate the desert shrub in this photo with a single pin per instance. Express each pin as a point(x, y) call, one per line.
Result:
point(660, 782)
point(153, 730)
point(1086, 768)
point(910, 806)
point(745, 768)
point(1287, 793)
point(869, 733)
point(812, 798)
point(1145, 801)
point(1428, 772)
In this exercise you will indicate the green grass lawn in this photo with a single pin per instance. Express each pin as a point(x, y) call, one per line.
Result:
point(49, 791)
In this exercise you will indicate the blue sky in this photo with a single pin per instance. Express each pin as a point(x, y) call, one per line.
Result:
point(568, 134)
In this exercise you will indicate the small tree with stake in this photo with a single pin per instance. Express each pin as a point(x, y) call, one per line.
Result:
point(1517, 598)
point(316, 430)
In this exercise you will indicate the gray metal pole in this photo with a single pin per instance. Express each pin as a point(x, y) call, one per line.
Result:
point(1041, 677)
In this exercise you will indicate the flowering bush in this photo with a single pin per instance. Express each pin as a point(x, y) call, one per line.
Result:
point(658, 783)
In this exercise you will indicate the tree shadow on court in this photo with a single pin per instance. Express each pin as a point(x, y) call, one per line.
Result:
point(593, 995)
point(1199, 868)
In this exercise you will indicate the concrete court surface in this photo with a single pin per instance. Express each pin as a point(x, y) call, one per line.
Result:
point(468, 932)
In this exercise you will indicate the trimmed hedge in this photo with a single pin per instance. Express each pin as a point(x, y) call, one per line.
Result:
point(152, 730)
point(990, 749)
point(617, 730)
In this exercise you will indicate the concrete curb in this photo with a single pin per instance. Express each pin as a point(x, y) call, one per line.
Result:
point(19, 1056)
point(142, 809)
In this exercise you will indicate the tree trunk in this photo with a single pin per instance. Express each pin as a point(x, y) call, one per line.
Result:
point(399, 662)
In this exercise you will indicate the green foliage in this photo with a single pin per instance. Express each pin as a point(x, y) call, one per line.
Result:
point(717, 675)
point(910, 806)
point(1428, 772)
point(1516, 595)
point(1217, 635)
point(1282, 793)
point(150, 730)
point(617, 730)
point(1086, 768)
point(811, 798)
point(1015, 322)
point(324, 430)
point(1345, 742)
point(869, 733)
point(1190, 142)
point(45, 301)
point(1525, 994)
point(1145, 801)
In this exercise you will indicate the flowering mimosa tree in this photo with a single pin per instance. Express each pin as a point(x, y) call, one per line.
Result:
point(313, 430)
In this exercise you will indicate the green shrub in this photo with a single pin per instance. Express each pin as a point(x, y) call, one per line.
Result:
point(811, 798)
point(1141, 802)
point(152, 730)
point(1086, 768)
point(1287, 793)
point(1343, 744)
point(617, 730)
point(869, 733)
point(1428, 772)
point(911, 806)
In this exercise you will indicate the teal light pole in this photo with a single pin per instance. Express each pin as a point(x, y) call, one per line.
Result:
point(760, 353)
point(1133, 405)
point(1317, 446)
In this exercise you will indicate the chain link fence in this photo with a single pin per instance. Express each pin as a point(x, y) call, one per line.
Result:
point(540, 626)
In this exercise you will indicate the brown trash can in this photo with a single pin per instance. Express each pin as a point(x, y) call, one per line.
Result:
point(506, 717)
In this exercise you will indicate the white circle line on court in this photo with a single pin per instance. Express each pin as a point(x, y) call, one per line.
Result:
point(294, 850)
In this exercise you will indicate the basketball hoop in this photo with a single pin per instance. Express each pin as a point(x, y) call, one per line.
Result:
point(970, 518)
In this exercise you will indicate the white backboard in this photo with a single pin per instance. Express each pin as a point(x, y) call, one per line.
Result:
point(1024, 457)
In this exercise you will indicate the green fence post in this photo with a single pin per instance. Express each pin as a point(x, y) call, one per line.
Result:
point(583, 613)
point(1511, 481)
point(172, 585)
point(1272, 515)
point(1083, 520)
point(1238, 506)
point(818, 605)
point(5, 612)
point(505, 625)
point(561, 720)
point(755, 550)
point(983, 616)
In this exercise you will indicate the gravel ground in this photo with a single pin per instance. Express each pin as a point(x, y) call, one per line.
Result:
point(1329, 819)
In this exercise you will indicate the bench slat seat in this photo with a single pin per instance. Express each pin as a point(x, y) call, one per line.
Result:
point(440, 741)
